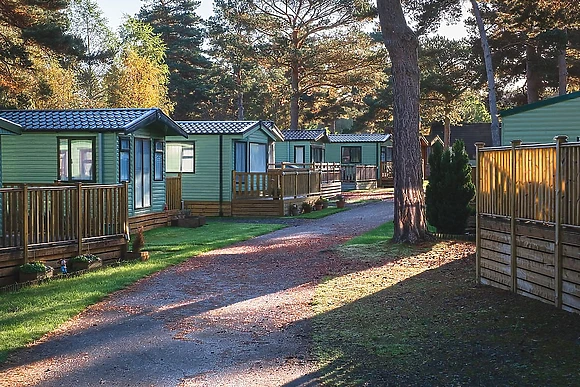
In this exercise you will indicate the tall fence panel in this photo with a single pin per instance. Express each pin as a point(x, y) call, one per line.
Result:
point(528, 220)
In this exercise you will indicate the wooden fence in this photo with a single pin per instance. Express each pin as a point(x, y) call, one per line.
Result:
point(276, 184)
point(386, 175)
point(528, 220)
point(34, 216)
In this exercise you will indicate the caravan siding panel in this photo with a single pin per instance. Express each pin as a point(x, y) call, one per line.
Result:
point(285, 151)
point(204, 184)
point(370, 152)
point(542, 124)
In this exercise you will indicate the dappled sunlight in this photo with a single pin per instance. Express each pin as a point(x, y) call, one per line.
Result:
point(356, 285)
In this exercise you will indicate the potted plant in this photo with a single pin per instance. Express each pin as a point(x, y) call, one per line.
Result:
point(294, 210)
point(34, 271)
point(138, 244)
point(340, 201)
point(84, 262)
point(306, 208)
point(318, 204)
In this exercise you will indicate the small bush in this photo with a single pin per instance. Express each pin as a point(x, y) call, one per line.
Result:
point(450, 189)
point(34, 267)
point(306, 207)
point(89, 258)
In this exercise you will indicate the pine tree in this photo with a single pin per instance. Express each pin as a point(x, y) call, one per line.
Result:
point(181, 29)
point(450, 189)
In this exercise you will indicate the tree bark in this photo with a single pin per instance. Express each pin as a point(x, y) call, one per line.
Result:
point(532, 76)
point(402, 44)
point(562, 72)
point(447, 128)
point(495, 135)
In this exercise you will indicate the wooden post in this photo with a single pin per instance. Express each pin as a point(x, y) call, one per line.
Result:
point(478, 146)
point(295, 184)
point(80, 218)
point(513, 216)
point(558, 220)
point(126, 209)
point(25, 222)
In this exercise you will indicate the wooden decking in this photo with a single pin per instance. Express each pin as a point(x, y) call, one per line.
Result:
point(60, 221)
point(271, 193)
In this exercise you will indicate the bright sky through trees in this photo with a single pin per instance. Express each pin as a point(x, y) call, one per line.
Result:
point(115, 9)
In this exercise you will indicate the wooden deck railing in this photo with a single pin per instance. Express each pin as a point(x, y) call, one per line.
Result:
point(386, 172)
point(278, 183)
point(173, 192)
point(36, 215)
point(352, 173)
point(330, 171)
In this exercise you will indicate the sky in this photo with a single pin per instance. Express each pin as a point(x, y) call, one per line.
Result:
point(115, 9)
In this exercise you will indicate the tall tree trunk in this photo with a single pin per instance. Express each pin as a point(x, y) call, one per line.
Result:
point(295, 97)
point(563, 65)
point(402, 44)
point(495, 135)
point(447, 128)
point(532, 76)
point(240, 96)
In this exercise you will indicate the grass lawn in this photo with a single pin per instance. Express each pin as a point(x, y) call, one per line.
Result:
point(28, 314)
point(403, 315)
point(321, 213)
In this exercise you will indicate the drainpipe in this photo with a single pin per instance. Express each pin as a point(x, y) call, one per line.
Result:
point(100, 142)
point(221, 213)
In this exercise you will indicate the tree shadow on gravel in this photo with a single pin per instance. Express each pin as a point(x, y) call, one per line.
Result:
point(440, 328)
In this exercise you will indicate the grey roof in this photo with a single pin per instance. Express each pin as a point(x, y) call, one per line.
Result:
point(360, 137)
point(94, 120)
point(469, 133)
point(226, 127)
point(306, 135)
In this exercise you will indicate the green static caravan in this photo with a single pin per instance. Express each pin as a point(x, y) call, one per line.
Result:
point(213, 150)
point(363, 157)
point(92, 146)
point(302, 147)
point(7, 128)
point(541, 121)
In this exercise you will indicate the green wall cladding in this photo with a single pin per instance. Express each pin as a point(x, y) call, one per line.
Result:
point(370, 151)
point(32, 158)
point(542, 124)
point(204, 184)
point(285, 150)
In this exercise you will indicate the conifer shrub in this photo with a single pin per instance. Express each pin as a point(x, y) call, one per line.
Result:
point(450, 189)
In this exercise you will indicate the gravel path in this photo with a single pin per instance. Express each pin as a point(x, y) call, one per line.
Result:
point(238, 316)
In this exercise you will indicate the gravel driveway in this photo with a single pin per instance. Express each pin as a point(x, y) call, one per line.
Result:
point(237, 316)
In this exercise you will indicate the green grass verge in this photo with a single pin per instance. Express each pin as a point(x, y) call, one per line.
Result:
point(392, 316)
point(321, 214)
point(28, 314)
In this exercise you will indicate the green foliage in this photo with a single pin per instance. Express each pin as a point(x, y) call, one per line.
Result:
point(182, 32)
point(34, 267)
point(450, 188)
point(88, 258)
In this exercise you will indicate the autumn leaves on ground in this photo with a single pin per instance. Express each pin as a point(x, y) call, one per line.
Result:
point(415, 316)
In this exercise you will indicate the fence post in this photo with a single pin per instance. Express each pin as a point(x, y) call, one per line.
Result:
point(478, 146)
point(80, 218)
point(513, 214)
point(126, 210)
point(558, 220)
point(25, 222)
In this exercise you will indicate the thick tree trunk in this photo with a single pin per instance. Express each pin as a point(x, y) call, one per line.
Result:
point(495, 135)
point(447, 129)
point(532, 76)
point(562, 72)
point(402, 44)
point(295, 97)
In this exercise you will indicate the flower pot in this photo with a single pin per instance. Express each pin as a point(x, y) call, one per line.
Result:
point(294, 210)
point(25, 277)
point(318, 207)
point(340, 204)
point(134, 256)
